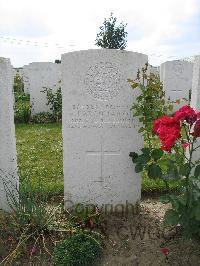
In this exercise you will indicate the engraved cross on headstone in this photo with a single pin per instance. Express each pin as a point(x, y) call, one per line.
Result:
point(102, 153)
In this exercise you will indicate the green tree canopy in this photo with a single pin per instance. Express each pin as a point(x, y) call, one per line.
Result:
point(111, 35)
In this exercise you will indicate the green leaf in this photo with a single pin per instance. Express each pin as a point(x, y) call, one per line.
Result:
point(171, 107)
point(173, 170)
point(185, 169)
point(133, 83)
point(138, 168)
point(197, 171)
point(141, 130)
point(183, 200)
point(171, 217)
point(157, 154)
point(143, 158)
point(174, 201)
point(164, 199)
point(146, 150)
point(133, 155)
point(154, 171)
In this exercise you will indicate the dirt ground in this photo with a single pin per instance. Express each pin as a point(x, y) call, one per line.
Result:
point(139, 238)
point(134, 238)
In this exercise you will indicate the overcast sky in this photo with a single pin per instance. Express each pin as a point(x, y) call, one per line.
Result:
point(42, 30)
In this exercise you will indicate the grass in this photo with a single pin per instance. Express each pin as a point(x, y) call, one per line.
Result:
point(157, 186)
point(39, 148)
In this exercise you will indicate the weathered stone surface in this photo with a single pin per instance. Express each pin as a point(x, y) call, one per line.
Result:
point(177, 79)
point(8, 162)
point(99, 130)
point(42, 75)
point(26, 78)
point(195, 99)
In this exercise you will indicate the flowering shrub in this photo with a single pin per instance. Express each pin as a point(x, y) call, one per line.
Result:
point(150, 103)
point(177, 133)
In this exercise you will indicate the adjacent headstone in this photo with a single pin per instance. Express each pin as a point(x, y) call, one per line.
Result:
point(99, 130)
point(177, 79)
point(26, 77)
point(8, 162)
point(42, 75)
point(195, 99)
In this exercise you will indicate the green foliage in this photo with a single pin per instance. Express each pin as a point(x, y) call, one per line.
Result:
point(112, 36)
point(154, 163)
point(22, 101)
point(43, 118)
point(54, 100)
point(32, 218)
point(150, 103)
point(185, 205)
point(185, 209)
point(18, 84)
point(80, 249)
point(32, 214)
point(22, 108)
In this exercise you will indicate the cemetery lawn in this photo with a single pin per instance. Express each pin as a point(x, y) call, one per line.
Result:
point(39, 148)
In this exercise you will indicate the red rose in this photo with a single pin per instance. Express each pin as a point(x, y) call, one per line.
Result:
point(168, 129)
point(186, 113)
point(196, 132)
point(164, 120)
point(165, 251)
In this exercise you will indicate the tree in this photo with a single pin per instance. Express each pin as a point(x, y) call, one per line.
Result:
point(112, 36)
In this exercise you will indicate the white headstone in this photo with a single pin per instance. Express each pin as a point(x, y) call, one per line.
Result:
point(99, 130)
point(177, 79)
point(195, 100)
point(41, 76)
point(26, 77)
point(8, 162)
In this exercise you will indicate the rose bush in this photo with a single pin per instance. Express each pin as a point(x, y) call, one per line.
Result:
point(177, 133)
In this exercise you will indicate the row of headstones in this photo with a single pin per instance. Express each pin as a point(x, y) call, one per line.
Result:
point(37, 77)
point(176, 77)
point(98, 128)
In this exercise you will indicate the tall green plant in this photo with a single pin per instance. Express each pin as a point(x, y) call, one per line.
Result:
point(177, 134)
point(18, 84)
point(150, 103)
point(54, 101)
point(22, 108)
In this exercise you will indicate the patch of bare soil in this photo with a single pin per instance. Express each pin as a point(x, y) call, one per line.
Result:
point(138, 239)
